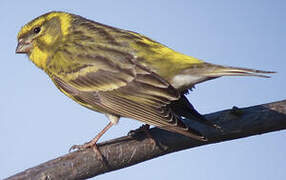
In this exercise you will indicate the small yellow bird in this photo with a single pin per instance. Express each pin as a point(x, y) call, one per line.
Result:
point(119, 73)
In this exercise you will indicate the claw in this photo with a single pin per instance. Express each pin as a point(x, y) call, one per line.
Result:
point(86, 146)
point(78, 147)
point(143, 129)
point(74, 147)
point(92, 143)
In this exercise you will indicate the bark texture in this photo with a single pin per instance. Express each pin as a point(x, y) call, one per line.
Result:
point(127, 151)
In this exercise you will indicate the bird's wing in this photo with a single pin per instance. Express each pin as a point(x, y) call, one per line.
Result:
point(125, 89)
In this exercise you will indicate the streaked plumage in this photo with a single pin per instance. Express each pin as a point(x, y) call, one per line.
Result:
point(117, 72)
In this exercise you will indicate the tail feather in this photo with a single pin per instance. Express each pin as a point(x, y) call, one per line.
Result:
point(198, 73)
point(235, 71)
point(189, 132)
point(184, 108)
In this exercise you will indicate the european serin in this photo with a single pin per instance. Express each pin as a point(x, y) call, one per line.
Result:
point(119, 73)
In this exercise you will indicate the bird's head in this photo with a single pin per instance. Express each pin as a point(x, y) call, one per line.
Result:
point(42, 35)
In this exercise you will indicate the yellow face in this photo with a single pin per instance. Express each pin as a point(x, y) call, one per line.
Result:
point(41, 35)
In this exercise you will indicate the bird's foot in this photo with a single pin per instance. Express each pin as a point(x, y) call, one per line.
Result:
point(83, 146)
point(90, 144)
point(143, 129)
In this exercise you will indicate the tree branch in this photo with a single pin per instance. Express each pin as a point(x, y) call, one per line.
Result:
point(126, 151)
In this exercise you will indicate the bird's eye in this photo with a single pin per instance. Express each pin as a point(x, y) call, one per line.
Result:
point(37, 30)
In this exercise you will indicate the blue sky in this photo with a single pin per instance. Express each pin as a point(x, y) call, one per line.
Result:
point(38, 123)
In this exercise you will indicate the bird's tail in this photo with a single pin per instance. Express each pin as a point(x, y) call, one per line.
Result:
point(200, 72)
point(214, 71)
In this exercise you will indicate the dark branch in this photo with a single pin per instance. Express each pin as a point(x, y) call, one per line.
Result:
point(127, 151)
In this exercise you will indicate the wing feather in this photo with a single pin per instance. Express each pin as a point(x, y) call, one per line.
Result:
point(119, 86)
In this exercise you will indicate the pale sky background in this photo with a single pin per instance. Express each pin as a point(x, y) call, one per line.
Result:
point(38, 123)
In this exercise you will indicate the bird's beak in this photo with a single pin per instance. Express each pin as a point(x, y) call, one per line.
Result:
point(23, 46)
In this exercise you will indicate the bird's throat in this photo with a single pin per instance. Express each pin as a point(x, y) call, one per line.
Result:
point(38, 57)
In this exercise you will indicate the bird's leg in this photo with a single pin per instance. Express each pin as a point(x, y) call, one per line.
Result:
point(93, 142)
point(144, 128)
